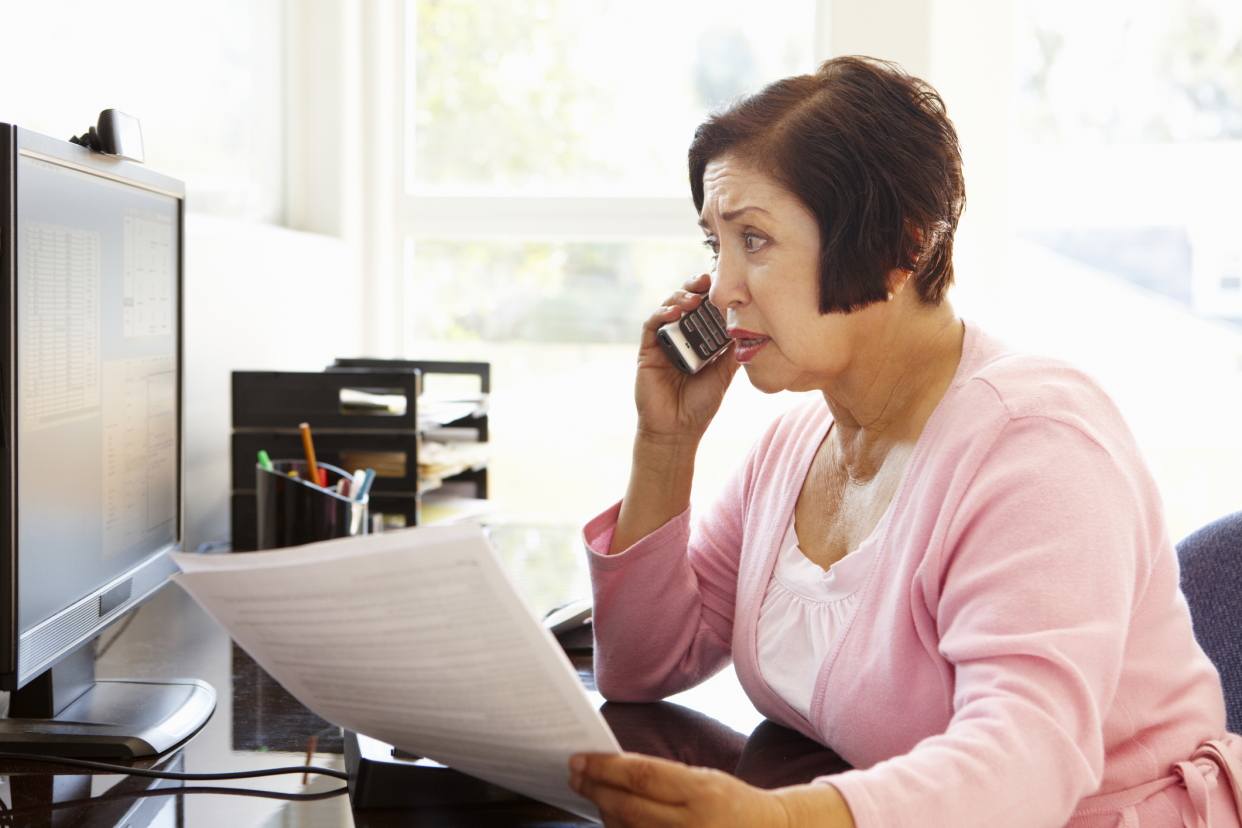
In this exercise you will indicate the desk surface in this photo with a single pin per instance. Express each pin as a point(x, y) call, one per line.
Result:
point(258, 725)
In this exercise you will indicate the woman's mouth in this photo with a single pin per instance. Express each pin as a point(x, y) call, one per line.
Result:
point(748, 345)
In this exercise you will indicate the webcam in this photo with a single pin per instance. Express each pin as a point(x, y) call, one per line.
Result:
point(117, 134)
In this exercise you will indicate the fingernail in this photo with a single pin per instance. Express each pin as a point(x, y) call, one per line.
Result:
point(577, 764)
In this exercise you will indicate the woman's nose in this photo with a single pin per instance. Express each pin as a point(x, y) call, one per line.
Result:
point(728, 288)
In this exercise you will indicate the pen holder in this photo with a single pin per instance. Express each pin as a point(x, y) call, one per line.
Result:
point(293, 511)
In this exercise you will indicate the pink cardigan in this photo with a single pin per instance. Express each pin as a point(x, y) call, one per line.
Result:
point(1019, 645)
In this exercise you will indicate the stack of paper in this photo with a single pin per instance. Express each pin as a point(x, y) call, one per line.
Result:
point(417, 638)
point(437, 460)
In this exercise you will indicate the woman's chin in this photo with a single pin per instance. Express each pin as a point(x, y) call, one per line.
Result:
point(763, 381)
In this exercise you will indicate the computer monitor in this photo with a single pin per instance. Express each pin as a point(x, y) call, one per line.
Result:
point(91, 461)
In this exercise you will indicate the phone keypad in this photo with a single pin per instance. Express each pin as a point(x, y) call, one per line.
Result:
point(715, 312)
point(706, 324)
point(709, 323)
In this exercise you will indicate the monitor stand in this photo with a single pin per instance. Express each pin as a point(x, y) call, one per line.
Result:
point(65, 711)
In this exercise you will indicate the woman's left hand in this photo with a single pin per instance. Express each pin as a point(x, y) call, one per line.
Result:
point(636, 791)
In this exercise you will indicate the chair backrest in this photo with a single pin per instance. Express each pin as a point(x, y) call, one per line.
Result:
point(1211, 564)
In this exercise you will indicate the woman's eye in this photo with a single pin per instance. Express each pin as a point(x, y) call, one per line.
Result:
point(753, 242)
point(712, 245)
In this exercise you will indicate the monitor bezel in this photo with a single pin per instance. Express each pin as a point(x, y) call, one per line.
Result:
point(155, 568)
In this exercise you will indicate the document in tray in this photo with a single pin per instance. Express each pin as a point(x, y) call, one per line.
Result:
point(417, 638)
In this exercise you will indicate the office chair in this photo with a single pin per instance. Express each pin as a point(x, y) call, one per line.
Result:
point(1211, 564)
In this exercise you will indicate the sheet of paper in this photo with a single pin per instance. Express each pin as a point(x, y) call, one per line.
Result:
point(417, 638)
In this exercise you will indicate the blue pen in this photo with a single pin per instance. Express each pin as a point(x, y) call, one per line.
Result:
point(355, 483)
point(365, 488)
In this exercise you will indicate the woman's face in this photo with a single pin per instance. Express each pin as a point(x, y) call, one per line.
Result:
point(766, 278)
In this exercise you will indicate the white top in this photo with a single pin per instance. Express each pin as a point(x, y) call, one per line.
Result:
point(803, 611)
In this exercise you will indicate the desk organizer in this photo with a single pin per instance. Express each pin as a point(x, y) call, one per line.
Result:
point(362, 413)
point(292, 511)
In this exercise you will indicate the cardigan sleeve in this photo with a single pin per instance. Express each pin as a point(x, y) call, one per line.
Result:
point(664, 608)
point(1032, 588)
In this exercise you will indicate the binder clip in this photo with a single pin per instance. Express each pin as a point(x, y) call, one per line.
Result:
point(118, 134)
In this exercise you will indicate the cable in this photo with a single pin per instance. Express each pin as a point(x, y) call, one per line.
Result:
point(7, 815)
point(184, 777)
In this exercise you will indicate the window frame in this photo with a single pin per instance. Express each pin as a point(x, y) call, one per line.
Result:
point(598, 218)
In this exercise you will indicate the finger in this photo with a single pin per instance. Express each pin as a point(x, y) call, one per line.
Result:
point(630, 810)
point(698, 284)
point(647, 776)
point(684, 299)
point(663, 315)
point(726, 365)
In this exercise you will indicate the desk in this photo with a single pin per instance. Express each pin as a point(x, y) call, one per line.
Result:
point(257, 725)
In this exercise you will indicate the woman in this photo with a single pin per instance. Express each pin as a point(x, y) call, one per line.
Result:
point(950, 565)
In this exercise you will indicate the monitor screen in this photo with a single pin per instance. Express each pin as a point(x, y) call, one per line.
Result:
point(91, 450)
point(97, 482)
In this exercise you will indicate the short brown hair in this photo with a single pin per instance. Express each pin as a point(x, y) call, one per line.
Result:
point(871, 152)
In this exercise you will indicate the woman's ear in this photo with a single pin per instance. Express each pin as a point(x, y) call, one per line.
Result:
point(911, 248)
point(897, 281)
point(912, 251)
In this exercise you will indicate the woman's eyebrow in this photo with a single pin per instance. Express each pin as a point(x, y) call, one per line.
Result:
point(732, 214)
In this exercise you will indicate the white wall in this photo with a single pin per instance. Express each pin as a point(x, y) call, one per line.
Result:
point(257, 297)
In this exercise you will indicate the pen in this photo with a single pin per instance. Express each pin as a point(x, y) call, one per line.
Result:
point(312, 468)
point(365, 488)
point(264, 460)
point(355, 486)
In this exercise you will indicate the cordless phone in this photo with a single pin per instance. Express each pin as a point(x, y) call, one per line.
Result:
point(692, 341)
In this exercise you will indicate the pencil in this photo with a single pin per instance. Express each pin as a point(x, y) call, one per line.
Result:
point(311, 467)
point(310, 753)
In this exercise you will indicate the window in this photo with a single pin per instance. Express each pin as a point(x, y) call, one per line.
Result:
point(546, 210)
point(589, 97)
point(1127, 156)
point(1139, 106)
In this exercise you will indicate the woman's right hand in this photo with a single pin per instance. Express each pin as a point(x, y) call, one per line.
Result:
point(674, 409)
point(674, 406)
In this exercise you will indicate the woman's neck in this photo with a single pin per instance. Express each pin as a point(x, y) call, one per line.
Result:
point(892, 388)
